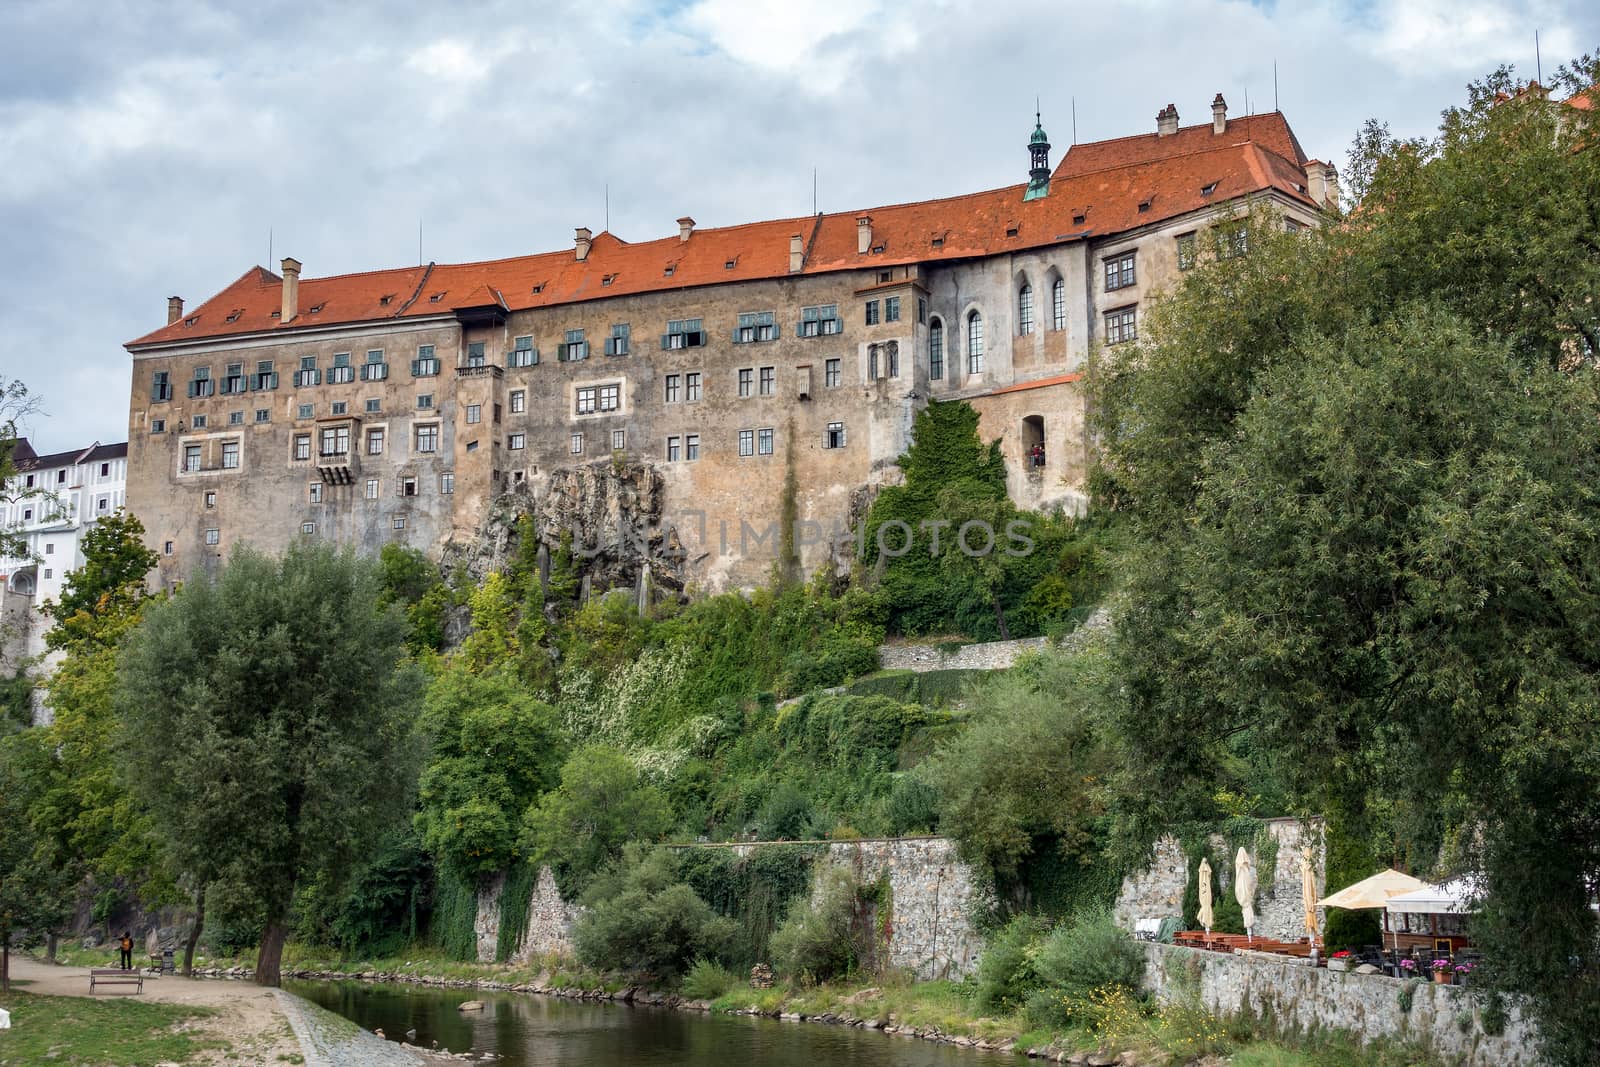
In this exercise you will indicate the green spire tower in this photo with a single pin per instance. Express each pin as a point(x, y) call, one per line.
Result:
point(1039, 152)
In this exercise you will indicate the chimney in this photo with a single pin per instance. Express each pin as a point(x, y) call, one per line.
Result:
point(1167, 121)
point(797, 253)
point(685, 228)
point(174, 309)
point(1219, 115)
point(863, 233)
point(581, 241)
point(291, 290)
point(1322, 183)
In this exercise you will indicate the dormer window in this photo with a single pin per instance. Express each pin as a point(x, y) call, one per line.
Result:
point(609, 278)
point(435, 298)
point(1207, 190)
point(538, 289)
point(1079, 218)
point(667, 271)
point(683, 333)
point(383, 301)
point(1144, 205)
point(1011, 230)
point(938, 242)
point(316, 308)
point(233, 316)
point(729, 265)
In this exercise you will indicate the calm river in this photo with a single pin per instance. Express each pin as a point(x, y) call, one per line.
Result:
point(534, 1031)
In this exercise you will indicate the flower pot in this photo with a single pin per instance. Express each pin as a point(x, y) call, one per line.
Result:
point(1441, 977)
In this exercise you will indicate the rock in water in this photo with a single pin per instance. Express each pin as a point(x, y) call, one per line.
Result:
point(411, 1035)
point(470, 1005)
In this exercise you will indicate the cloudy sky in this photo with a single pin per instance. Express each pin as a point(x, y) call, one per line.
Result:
point(148, 149)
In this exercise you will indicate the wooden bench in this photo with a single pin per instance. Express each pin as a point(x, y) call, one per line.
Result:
point(115, 976)
point(156, 966)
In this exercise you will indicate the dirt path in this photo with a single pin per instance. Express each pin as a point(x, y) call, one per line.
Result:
point(248, 1017)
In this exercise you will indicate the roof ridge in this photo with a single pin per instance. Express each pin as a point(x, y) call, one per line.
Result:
point(1234, 146)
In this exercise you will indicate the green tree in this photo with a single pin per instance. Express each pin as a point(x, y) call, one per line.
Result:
point(493, 640)
point(109, 585)
point(640, 916)
point(277, 700)
point(35, 889)
point(601, 804)
point(494, 750)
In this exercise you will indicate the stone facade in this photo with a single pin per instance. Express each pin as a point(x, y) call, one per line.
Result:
point(550, 921)
point(1447, 1019)
point(983, 656)
point(1157, 891)
point(402, 405)
point(486, 924)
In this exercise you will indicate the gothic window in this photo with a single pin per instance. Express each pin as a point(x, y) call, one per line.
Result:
point(974, 343)
point(1025, 309)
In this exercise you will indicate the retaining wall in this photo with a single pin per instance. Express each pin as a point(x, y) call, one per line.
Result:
point(1293, 995)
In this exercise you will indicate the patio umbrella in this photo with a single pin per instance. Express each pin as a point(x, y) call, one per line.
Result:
point(1374, 892)
point(1204, 914)
point(1244, 889)
point(1308, 893)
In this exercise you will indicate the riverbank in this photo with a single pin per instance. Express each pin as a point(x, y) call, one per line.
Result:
point(1123, 1032)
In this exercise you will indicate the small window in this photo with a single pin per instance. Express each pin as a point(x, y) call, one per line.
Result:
point(522, 354)
point(974, 343)
point(373, 406)
point(200, 422)
point(263, 414)
point(1122, 325)
point(1208, 189)
point(517, 441)
point(426, 365)
point(672, 388)
point(891, 309)
point(375, 441)
point(235, 418)
point(747, 381)
point(617, 344)
point(50, 548)
point(747, 442)
point(213, 536)
point(820, 321)
point(424, 401)
point(373, 486)
point(158, 425)
point(49, 572)
point(166, 549)
point(302, 446)
point(872, 313)
point(191, 458)
point(519, 401)
point(575, 348)
point(768, 381)
point(341, 407)
point(308, 527)
point(341, 372)
point(1233, 240)
point(304, 411)
point(1186, 251)
point(230, 455)
point(834, 437)
point(399, 522)
point(474, 414)
point(764, 441)
point(447, 482)
point(755, 327)
point(577, 444)
point(619, 440)
point(476, 356)
point(428, 438)
point(922, 311)
point(691, 446)
point(1119, 271)
point(674, 449)
point(830, 373)
point(314, 492)
point(408, 487)
point(691, 386)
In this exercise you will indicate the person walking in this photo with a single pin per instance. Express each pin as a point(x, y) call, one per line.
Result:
point(126, 945)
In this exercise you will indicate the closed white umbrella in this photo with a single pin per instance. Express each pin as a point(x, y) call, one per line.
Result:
point(1244, 889)
point(1204, 914)
point(1308, 893)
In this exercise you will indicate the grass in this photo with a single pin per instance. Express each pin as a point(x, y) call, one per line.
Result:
point(77, 1030)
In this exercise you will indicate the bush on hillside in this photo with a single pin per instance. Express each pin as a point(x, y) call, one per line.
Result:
point(1089, 952)
point(639, 917)
point(1006, 974)
point(707, 980)
point(823, 939)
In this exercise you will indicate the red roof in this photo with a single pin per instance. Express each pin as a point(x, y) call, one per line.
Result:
point(1104, 184)
point(1037, 383)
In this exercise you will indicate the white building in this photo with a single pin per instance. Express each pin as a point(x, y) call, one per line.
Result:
point(51, 503)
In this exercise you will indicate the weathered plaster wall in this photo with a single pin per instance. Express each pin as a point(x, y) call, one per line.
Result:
point(1305, 998)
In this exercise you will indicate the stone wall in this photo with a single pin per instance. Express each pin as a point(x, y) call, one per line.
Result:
point(1157, 891)
point(932, 892)
point(986, 656)
point(1298, 997)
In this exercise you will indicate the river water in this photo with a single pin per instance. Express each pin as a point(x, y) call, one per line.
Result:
point(535, 1031)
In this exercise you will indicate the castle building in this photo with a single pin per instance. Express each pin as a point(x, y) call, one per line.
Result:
point(48, 506)
point(710, 385)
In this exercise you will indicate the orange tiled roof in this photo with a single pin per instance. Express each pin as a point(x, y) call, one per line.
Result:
point(1104, 184)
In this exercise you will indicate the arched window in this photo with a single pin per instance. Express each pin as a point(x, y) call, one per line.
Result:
point(936, 350)
point(974, 343)
point(1025, 309)
point(891, 355)
point(1058, 305)
point(872, 363)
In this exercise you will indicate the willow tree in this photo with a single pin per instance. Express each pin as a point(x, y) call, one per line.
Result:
point(268, 724)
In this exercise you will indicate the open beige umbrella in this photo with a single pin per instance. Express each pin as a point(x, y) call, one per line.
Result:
point(1204, 914)
point(1244, 889)
point(1374, 892)
point(1308, 893)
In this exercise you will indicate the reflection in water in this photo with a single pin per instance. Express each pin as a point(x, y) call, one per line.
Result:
point(550, 1032)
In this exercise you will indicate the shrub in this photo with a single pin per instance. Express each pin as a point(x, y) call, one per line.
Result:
point(823, 939)
point(1090, 952)
point(707, 980)
point(786, 816)
point(912, 807)
point(639, 917)
point(1005, 970)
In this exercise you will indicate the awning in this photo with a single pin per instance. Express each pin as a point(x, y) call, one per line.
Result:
point(1451, 898)
point(1373, 892)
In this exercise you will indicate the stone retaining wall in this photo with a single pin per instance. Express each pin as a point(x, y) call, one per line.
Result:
point(986, 656)
point(1447, 1019)
point(932, 891)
